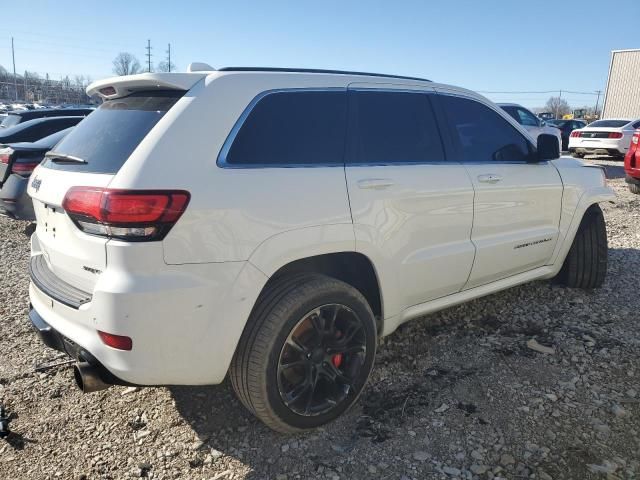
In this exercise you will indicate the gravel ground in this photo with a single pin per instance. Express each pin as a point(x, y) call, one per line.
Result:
point(458, 394)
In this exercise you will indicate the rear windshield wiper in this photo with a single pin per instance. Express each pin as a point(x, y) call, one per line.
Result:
point(63, 157)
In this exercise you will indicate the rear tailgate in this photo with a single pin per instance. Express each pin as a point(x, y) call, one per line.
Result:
point(73, 256)
point(90, 156)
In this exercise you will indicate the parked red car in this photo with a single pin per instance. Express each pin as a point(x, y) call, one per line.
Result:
point(632, 164)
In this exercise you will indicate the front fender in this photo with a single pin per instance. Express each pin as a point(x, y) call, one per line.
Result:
point(569, 226)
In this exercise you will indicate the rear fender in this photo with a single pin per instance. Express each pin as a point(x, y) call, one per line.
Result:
point(286, 247)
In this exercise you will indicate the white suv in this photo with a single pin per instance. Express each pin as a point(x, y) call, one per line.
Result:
point(532, 124)
point(273, 224)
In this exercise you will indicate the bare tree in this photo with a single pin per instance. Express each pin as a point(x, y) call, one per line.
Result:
point(126, 64)
point(164, 67)
point(558, 106)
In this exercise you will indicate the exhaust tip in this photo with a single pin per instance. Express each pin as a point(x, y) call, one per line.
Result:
point(87, 378)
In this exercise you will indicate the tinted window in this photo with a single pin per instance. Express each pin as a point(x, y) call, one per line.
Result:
point(481, 134)
point(636, 125)
point(527, 118)
point(51, 140)
point(609, 123)
point(293, 128)
point(394, 127)
point(107, 137)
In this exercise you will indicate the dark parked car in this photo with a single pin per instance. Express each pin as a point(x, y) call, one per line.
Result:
point(33, 130)
point(17, 161)
point(19, 116)
point(566, 127)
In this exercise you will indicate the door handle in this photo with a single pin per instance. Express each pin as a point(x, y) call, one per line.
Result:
point(375, 183)
point(489, 178)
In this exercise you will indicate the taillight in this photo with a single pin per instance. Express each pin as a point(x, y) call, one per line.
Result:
point(575, 134)
point(24, 168)
point(116, 341)
point(615, 135)
point(134, 215)
point(5, 155)
point(630, 160)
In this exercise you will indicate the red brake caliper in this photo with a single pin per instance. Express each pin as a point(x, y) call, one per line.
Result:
point(337, 360)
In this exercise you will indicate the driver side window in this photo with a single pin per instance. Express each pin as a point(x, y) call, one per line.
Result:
point(482, 135)
point(527, 118)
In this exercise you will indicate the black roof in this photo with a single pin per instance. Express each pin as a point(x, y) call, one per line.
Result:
point(314, 70)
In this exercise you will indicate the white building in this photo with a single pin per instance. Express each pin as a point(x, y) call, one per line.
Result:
point(622, 97)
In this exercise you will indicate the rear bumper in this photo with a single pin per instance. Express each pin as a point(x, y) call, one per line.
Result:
point(596, 151)
point(184, 321)
point(632, 180)
point(54, 339)
point(603, 146)
point(14, 200)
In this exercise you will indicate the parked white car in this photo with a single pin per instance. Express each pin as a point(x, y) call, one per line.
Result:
point(228, 222)
point(534, 125)
point(603, 137)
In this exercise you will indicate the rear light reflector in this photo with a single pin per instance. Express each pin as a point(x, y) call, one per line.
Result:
point(615, 135)
point(116, 341)
point(575, 134)
point(134, 215)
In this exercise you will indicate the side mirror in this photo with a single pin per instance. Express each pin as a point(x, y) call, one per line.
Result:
point(548, 147)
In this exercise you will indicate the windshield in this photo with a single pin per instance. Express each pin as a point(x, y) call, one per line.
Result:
point(10, 121)
point(609, 123)
point(106, 138)
point(557, 123)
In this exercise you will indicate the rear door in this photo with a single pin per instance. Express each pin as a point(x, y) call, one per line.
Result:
point(103, 143)
point(517, 204)
point(411, 208)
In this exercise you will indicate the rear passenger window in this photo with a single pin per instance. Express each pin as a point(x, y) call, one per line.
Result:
point(293, 128)
point(394, 127)
point(480, 134)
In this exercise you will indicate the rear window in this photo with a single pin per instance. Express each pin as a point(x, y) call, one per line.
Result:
point(609, 123)
point(106, 138)
point(394, 127)
point(10, 121)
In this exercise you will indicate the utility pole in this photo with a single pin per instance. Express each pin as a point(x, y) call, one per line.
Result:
point(169, 57)
point(148, 55)
point(558, 107)
point(15, 78)
point(595, 110)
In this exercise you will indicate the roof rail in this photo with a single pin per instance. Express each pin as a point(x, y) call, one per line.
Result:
point(314, 70)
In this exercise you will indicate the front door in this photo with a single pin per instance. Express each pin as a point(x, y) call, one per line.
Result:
point(517, 203)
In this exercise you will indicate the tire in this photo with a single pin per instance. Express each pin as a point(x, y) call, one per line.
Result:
point(586, 263)
point(282, 323)
point(633, 188)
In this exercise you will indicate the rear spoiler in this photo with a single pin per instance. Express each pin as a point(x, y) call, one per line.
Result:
point(115, 87)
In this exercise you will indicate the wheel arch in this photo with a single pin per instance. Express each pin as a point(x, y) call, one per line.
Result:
point(589, 199)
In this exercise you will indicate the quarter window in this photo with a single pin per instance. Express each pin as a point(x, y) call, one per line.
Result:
point(480, 134)
point(293, 128)
point(394, 127)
